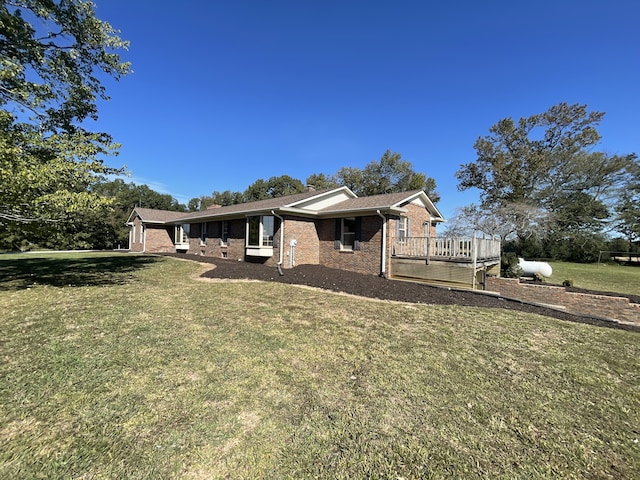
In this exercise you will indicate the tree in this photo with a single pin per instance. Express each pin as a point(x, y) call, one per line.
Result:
point(273, 188)
point(627, 207)
point(350, 177)
point(501, 222)
point(517, 161)
point(108, 229)
point(390, 174)
point(320, 181)
point(217, 198)
point(546, 162)
point(53, 55)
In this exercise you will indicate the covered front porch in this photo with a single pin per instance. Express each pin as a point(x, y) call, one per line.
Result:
point(462, 262)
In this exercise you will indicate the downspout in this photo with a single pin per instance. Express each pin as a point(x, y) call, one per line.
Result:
point(279, 264)
point(383, 272)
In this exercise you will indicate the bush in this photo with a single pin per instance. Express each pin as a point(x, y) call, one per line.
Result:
point(537, 277)
point(568, 283)
point(509, 266)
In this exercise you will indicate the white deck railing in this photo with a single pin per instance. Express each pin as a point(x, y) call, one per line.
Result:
point(461, 248)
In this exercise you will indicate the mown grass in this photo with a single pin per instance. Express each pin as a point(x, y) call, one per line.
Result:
point(149, 373)
point(608, 277)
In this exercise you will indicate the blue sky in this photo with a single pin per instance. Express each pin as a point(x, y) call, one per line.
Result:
point(226, 92)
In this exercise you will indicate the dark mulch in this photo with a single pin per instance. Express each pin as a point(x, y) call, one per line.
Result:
point(380, 288)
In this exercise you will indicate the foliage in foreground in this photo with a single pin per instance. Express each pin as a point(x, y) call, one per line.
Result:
point(181, 378)
point(54, 56)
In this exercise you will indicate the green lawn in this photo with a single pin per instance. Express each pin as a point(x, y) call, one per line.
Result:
point(122, 366)
point(604, 277)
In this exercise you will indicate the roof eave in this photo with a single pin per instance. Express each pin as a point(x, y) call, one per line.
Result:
point(365, 210)
point(328, 193)
point(430, 205)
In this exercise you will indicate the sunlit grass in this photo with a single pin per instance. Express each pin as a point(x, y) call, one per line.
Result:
point(610, 277)
point(157, 375)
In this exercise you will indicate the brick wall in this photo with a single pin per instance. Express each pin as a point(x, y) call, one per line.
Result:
point(614, 308)
point(365, 260)
point(304, 231)
point(417, 216)
point(213, 246)
point(159, 239)
point(156, 239)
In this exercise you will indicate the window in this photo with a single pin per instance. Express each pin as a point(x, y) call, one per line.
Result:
point(182, 233)
point(224, 235)
point(203, 233)
point(403, 228)
point(141, 233)
point(268, 224)
point(260, 231)
point(348, 232)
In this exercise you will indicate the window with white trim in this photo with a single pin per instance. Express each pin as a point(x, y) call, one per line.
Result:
point(403, 228)
point(260, 231)
point(182, 233)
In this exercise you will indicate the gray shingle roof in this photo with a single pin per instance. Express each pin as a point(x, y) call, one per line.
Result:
point(151, 215)
point(373, 202)
point(258, 206)
point(359, 204)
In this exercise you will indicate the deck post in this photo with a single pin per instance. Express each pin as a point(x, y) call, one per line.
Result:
point(474, 248)
point(427, 245)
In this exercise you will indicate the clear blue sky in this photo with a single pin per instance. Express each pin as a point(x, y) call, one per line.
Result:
point(226, 92)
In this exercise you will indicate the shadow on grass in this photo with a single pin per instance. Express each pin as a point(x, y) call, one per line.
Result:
point(23, 271)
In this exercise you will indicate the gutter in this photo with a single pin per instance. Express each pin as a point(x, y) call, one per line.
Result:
point(383, 273)
point(279, 264)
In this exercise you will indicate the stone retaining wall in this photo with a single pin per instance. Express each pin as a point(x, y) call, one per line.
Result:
point(600, 306)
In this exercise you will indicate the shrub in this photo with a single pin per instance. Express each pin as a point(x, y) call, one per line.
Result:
point(568, 283)
point(537, 277)
point(509, 266)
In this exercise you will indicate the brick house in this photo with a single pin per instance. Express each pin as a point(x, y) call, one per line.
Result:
point(332, 227)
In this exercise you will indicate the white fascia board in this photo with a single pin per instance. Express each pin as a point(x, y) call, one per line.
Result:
point(324, 200)
point(153, 222)
point(364, 211)
point(132, 215)
point(303, 212)
point(426, 201)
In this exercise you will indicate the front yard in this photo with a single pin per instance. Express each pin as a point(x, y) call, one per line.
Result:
point(117, 366)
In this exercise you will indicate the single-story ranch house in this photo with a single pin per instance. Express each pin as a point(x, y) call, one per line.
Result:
point(392, 234)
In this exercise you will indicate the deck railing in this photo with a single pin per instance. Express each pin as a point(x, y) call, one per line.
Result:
point(449, 247)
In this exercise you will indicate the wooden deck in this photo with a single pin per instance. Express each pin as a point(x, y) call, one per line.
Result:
point(465, 249)
point(455, 261)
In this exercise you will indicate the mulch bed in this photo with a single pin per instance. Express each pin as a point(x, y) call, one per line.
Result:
point(376, 287)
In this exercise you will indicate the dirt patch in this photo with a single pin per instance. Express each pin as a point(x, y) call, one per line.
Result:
point(376, 287)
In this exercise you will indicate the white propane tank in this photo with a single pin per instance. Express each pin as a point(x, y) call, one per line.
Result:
point(531, 268)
